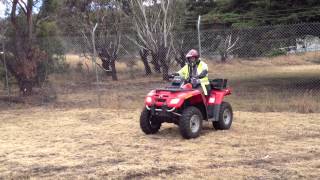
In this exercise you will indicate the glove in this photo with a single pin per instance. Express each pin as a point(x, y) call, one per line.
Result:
point(195, 82)
point(171, 76)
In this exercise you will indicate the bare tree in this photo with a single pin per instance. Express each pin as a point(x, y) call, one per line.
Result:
point(144, 53)
point(108, 14)
point(179, 51)
point(153, 24)
point(227, 46)
point(109, 39)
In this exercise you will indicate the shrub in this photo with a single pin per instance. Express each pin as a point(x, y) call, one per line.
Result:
point(277, 52)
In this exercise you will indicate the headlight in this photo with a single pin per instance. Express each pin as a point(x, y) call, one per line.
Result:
point(149, 99)
point(212, 100)
point(175, 101)
point(151, 93)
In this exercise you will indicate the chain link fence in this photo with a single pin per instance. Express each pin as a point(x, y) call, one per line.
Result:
point(271, 68)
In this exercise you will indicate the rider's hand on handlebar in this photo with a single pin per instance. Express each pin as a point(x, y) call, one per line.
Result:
point(195, 81)
point(171, 76)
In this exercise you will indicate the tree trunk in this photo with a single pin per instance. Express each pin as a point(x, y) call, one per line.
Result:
point(106, 62)
point(106, 65)
point(165, 72)
point(144, 57)
point(25, 69)
point(114, 70)
point(164, 62)
point(24, 65)
point(224, 57)
point(155, 61)
point(181, 59)
point(26, 87)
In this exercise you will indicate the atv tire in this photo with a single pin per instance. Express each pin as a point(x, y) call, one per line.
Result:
point(148, 124)
point(190, 123)
point(225, 117)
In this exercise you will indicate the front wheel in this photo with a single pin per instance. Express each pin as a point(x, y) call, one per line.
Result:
point(225, 117)
point(149, 124)
point(190, 123)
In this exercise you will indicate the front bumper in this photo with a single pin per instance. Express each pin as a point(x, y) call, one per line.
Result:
point(162, 111)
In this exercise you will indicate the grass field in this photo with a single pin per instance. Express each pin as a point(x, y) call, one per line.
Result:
point(282, 84)
point(275, 134)
point(102, 143)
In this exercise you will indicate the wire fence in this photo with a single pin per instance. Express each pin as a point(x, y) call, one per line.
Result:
point(251, 58)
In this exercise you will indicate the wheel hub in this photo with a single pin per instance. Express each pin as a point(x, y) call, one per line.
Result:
point(195, 123)
point(227, 116)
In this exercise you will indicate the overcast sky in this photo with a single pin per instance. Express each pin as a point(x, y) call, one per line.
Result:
point(2, 9)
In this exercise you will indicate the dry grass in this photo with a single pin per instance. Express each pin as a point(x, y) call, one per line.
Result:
point(261, 86)
point(71, 139)
point(121, 65)
point(99, 143)
point(281, 84)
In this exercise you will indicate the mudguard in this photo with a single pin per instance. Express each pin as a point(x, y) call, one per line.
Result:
point(214, 103)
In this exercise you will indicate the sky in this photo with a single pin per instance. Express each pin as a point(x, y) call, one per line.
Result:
point(2, 9)
point(150, 2)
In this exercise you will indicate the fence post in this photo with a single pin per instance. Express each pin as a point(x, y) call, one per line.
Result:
point(199, 37)
point(95, 62)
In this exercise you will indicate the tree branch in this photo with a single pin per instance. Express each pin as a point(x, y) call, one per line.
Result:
point(24, 9)
point(13, 13)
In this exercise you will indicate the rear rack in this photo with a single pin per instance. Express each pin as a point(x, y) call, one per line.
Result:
point(218, 84)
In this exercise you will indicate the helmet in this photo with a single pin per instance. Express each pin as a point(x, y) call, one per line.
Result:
point(193, 53)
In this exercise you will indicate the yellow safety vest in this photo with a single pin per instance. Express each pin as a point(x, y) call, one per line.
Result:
point(184, 72)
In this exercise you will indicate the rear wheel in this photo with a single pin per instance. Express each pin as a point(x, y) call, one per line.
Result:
point(190, 122)
point(225, 117)
point(149, 124)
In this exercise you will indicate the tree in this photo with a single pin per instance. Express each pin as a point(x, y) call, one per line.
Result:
point(107, 14)
point(26, 34)
point(144, 53)
point(3, 68)
point(49, 40)
point(227, 46)
point(248, 13)
point(153, 24)
point(196, 8)
point(27, 55)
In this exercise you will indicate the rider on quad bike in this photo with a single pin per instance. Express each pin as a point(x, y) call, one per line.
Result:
point(190, 99)
point(198, 68)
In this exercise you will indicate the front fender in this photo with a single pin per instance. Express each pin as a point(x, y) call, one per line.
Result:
point(193, 97)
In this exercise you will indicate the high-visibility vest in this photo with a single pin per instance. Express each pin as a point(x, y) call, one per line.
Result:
point(184, 72)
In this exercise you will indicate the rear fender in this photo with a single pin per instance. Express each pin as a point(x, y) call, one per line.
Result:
point(214, 105)
point(219, 96)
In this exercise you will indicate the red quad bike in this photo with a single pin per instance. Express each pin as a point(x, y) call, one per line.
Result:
point(187, 107)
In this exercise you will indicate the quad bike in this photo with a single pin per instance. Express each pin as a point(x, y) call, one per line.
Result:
point(184, 105)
